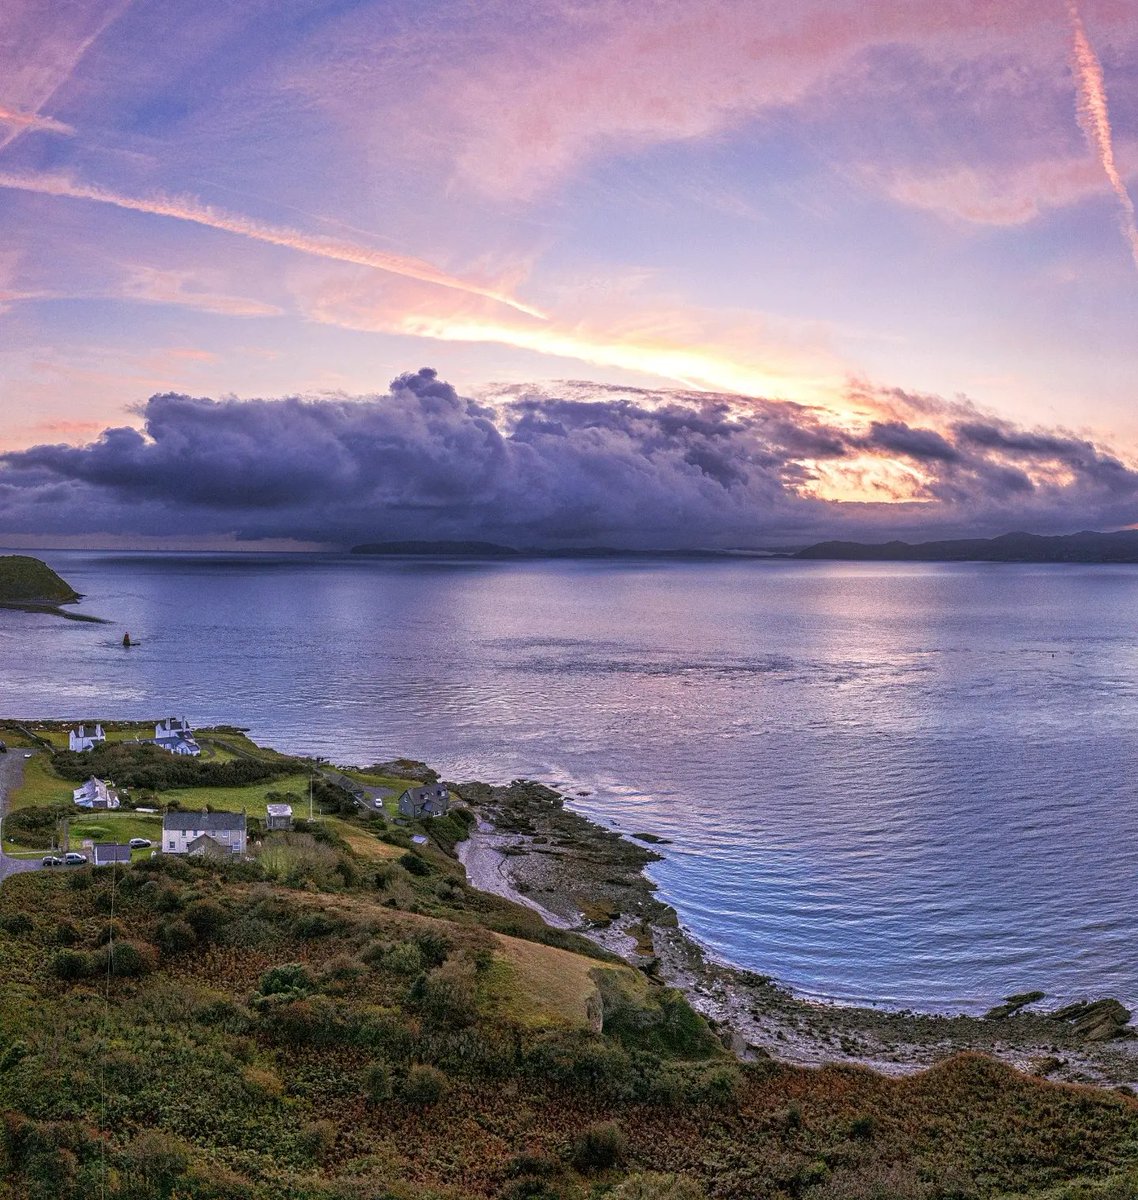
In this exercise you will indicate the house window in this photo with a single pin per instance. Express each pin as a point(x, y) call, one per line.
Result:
point(171, 846)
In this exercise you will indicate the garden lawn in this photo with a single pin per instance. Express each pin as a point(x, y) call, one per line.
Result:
point(250, 798)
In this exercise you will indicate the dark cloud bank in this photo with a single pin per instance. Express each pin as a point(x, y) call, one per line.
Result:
point(620, 468)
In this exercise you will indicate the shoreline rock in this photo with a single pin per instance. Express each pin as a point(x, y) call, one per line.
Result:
point(566, 866)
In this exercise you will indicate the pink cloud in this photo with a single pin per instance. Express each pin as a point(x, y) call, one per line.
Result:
point(998, 194)
point(594, 78)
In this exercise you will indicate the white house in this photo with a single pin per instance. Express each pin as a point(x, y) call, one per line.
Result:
point(174, 734)
point(84, 739)
point(203, 833)
point(96, 793)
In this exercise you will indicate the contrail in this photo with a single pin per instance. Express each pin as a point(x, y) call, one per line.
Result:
point(1094, 119)
point(183, 209)
point(30, 120)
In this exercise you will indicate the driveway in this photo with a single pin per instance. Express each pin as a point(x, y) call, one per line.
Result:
point(11, 775)
point(370, 799)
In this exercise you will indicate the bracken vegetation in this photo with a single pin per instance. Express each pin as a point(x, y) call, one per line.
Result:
point(325, 1024)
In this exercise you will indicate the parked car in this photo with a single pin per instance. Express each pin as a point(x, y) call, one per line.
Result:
point(139, 843)
point(27, 754)
point(52, 860)
point(74, 859)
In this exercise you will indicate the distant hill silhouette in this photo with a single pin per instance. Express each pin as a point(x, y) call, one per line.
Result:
point(437, 549)
point(1085, 547)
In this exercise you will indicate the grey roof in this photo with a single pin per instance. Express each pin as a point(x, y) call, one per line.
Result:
point(207, 822)
point(110, 852)
point(434, 791)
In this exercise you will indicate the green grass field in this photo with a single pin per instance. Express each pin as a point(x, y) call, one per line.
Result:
point(251, 799)
point(41, 785)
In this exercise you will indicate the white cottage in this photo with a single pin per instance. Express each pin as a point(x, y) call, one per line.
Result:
point(85, 739)
point(203, 833)
point(96, 793)
point(174, 734)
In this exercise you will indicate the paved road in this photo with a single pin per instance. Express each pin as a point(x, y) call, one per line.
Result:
point(11, 774)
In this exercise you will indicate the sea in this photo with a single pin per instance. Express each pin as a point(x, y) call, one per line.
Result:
point(905, 785)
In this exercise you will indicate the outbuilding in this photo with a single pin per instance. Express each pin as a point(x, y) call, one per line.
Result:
point(103, 854)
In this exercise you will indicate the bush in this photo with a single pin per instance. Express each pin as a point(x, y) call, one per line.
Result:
point(67, 933)
point(415, 865)
point(317, 1139)
point(123, 959)
point(175, 936)
point(157, 1161)
point(16, 923)
point(600, 1146)
point(423, 1086)
point(316, 924)
point(206, 917)
point(291, 978)
point(434, 947)
point(70, 964)
point(112, 931)
point(446, 996)
point(653, 1186)
point(377, 1083)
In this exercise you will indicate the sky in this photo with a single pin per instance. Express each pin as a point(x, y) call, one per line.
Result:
point(640, 273)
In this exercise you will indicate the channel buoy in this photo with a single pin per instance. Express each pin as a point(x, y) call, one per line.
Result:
point(126, 640)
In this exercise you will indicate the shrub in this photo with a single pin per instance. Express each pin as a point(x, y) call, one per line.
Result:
point(291, 978)
point(423, 1086)
point(316, 924)
point(415, 865)
point(67, 933)
point(206, 917)
point(123, 959)
point(317, 1139)
point(175, 936)
point(157, 1161)
point(446, 996)
point(377, 1083)
point(112, 931)
point(16, 923)
point(653, 1186)
point(863, 1127)
point(600, 1146)
point(70, 964)
point(434, 947)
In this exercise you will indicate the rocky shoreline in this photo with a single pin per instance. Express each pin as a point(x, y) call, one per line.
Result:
point(530, 847)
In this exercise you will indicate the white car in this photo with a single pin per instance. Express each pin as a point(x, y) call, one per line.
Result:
point(74, 859)
point(139, 843)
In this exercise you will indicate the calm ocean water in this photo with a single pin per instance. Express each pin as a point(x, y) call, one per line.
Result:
point(904, 784)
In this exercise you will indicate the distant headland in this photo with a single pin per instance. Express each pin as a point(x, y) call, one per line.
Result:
point(1085, 547)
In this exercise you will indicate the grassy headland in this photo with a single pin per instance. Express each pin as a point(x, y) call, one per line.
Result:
point(29, 584)
point(343, 1017)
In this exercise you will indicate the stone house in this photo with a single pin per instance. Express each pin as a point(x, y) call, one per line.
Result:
point(431, 800)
